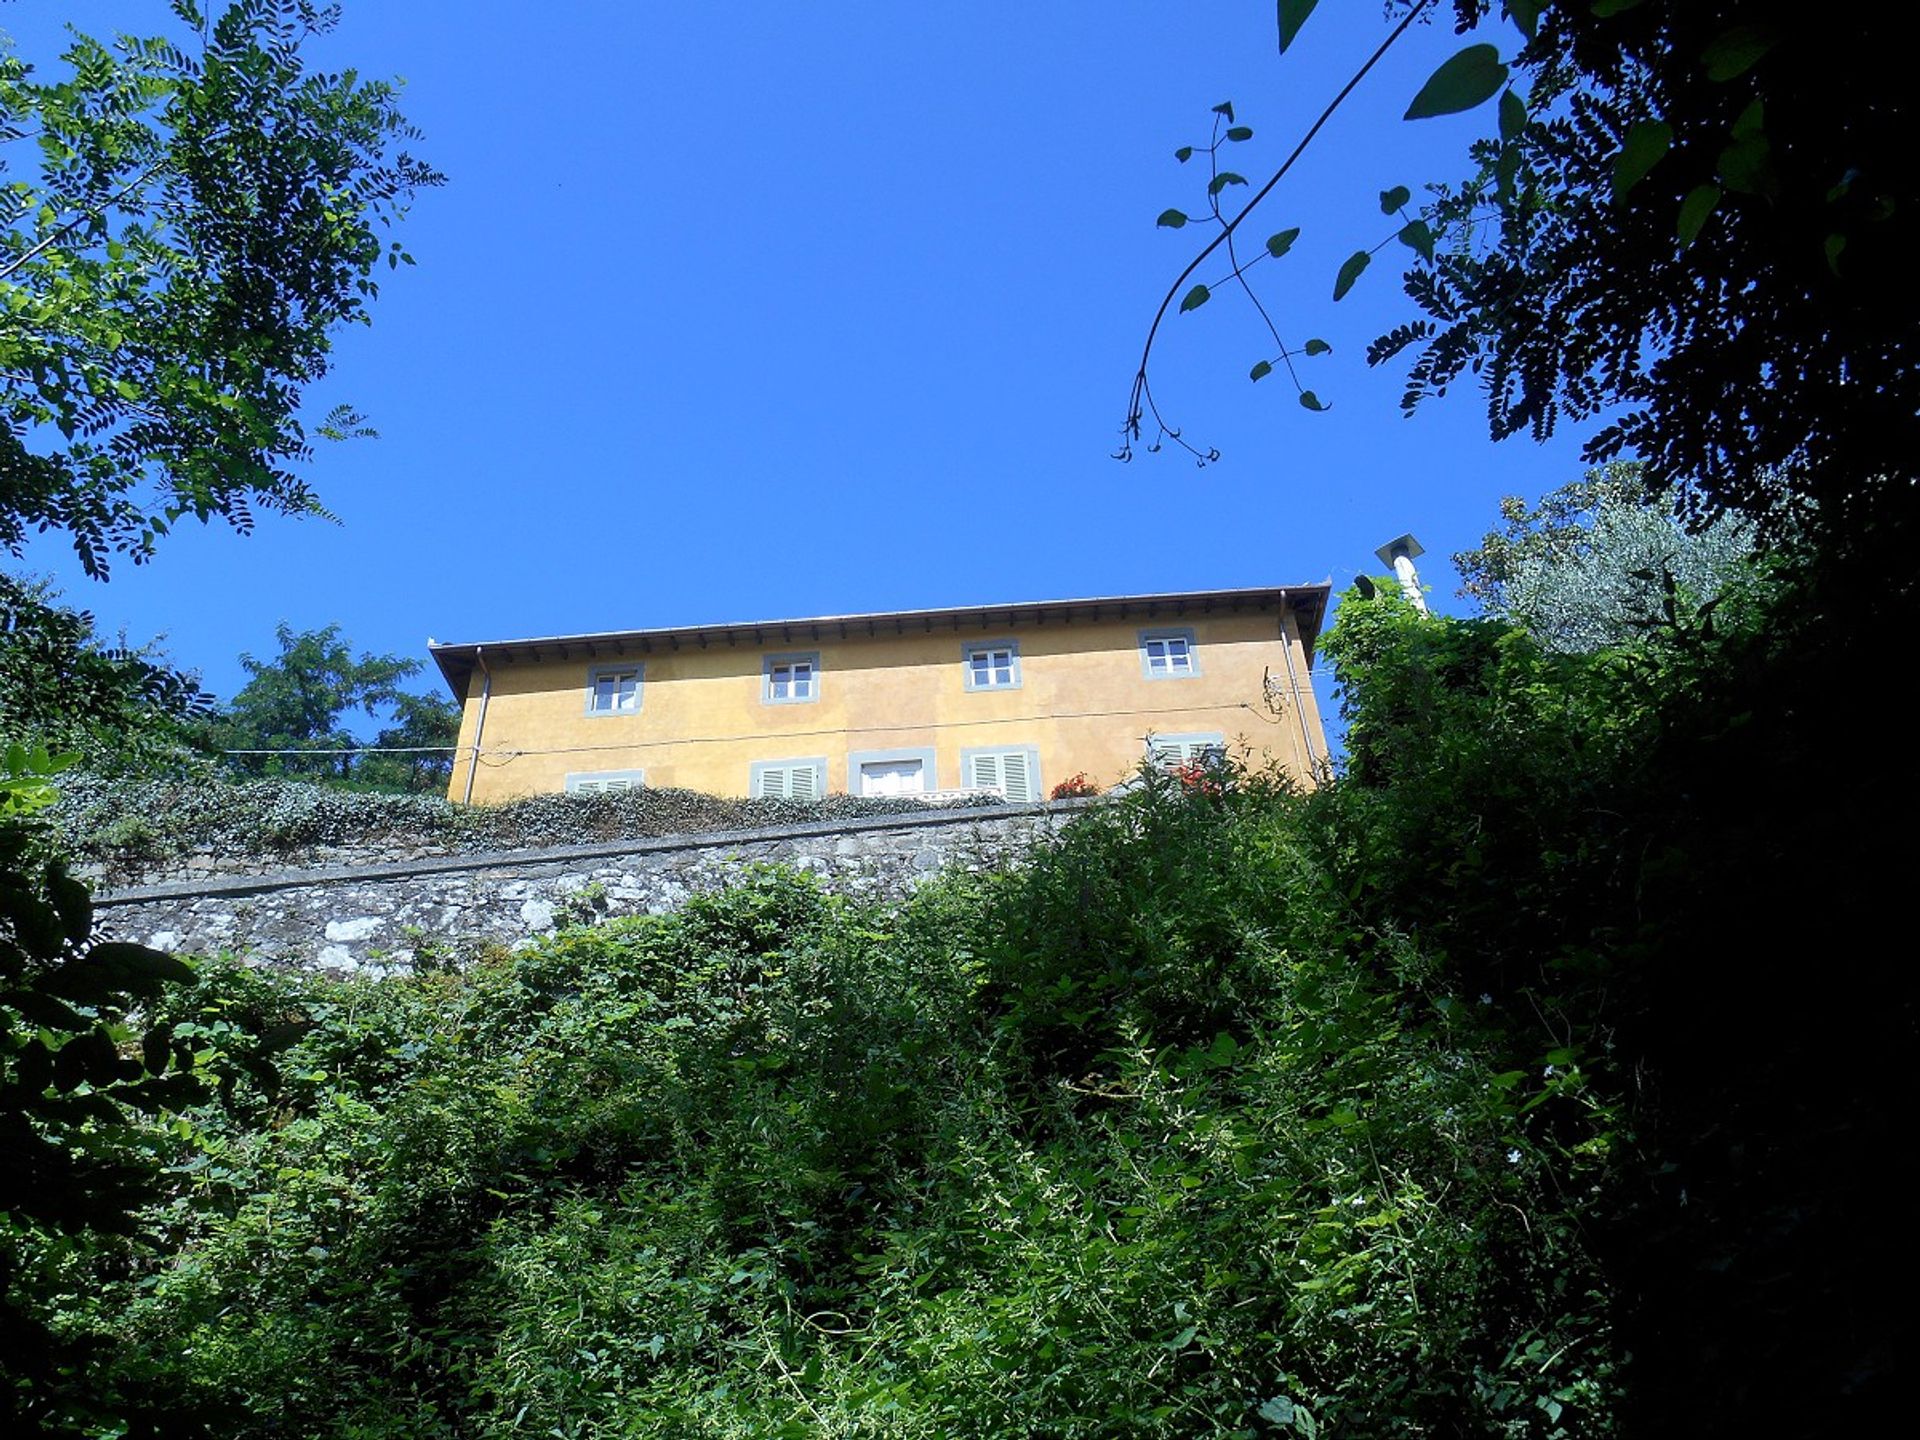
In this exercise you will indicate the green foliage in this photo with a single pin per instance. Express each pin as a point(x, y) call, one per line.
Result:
point(296, 700)
point(1149, 1137)
point(1468, 78)
point(1701, 239)
point(191, 220)
point(1644, 859)
point(77, 1063)
point(117, 708)
point(1595, 562)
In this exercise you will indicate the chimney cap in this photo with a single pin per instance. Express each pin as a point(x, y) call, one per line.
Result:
point(1401, 545)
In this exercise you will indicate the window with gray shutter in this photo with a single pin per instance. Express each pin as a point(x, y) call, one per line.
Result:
point(606, 782)
point(789, 779)
point(1013, 773)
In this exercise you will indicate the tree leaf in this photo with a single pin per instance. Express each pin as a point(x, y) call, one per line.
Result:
point(1240, 132)
point(1392, 200)
point(1645, 146)
point(1196, 297)
point(1225, 107)
point(1318, 347)
point(1513, 114)
point(1292, 15)
point(1834, 245)
point(1278, 245)
point(1183, 154)
point(1525, 14)
point(1312, 401)
point(1694, 211)
point(1736, 51)
point(1746, 166)
point(1172, 219)
point(1468, 79)
point(1417, 236)
point(1224, 179)
point(1350, 272)
point(130, 960)
point(1260, 371)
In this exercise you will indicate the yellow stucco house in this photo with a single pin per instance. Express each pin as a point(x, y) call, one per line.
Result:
point(1007, 698)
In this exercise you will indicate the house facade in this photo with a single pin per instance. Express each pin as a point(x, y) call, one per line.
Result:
point(1008, 698)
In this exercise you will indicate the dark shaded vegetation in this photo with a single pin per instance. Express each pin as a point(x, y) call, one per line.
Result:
point(1511, 1085)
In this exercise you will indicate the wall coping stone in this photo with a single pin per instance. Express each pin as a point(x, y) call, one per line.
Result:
point(562, 854)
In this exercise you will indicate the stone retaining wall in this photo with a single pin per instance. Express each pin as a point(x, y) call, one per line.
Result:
point(374, 918)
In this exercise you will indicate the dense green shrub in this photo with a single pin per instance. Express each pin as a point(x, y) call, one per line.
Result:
point(1147, 1137)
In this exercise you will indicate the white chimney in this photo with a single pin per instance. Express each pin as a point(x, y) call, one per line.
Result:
point(1399, 554)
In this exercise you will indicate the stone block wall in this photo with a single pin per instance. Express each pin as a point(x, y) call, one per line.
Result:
point(374, 917)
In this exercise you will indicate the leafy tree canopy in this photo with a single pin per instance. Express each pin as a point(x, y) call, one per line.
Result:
point(297, 699)
point(1691, 224)
point(62, 686)
point(1594, 563)
point(186, 221)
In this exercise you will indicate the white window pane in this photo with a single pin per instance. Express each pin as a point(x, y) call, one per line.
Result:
point(893, 777)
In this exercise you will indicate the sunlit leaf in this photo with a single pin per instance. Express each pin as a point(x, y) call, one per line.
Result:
point(1645, 146)
point(1736, 51)
point(1350, 272)
point(1292, 15)
point(1694, 211)
point(1513, 114)
point(1468, 79)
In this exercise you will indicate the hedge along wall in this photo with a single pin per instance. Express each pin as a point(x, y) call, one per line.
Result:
point(381, 917)
point(144, 831)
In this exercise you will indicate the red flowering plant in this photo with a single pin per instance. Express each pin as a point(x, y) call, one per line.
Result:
point(1075, 787)
point(1210, 774)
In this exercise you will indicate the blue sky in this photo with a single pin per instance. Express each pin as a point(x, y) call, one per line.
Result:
point(745, 311)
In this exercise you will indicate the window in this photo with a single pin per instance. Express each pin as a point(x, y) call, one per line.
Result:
point(1013, 772)
point(789, 779)
point(992, 665)
point(613, 690)
point(1167, 654)
point(1172, 750)
point(606, 782)
point(891, 772)
point(791, 679)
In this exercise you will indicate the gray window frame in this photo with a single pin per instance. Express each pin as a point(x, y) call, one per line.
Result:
point(1171, 632)
point(788, 657)
point(1032, 752)
point(756, 774)
point(594, 672)
point(857, 758)
point(966, 664)
point(574, 777)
